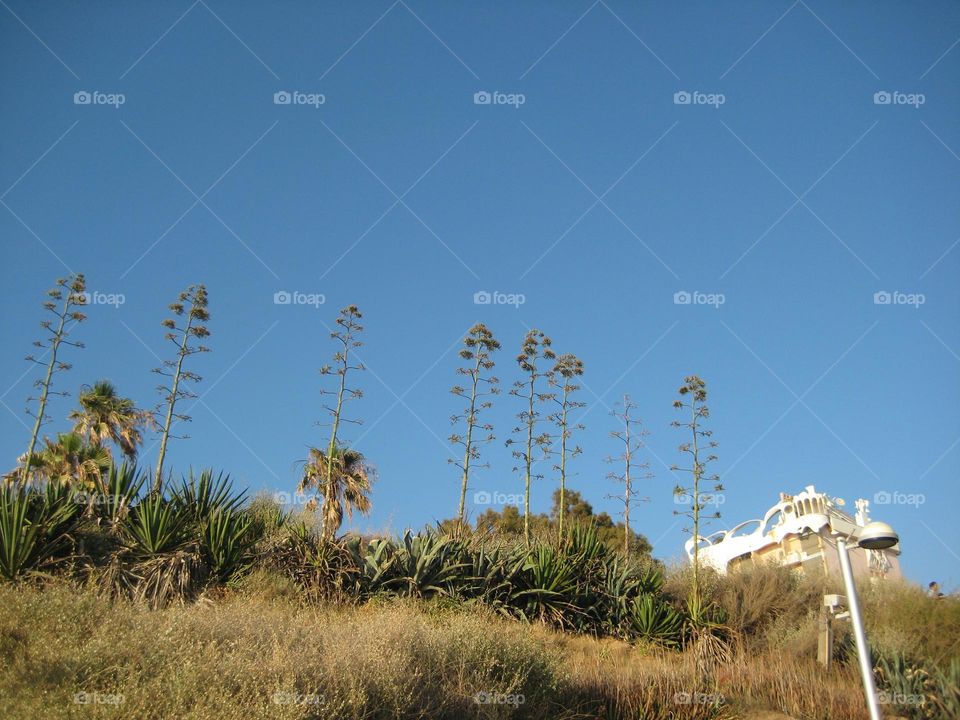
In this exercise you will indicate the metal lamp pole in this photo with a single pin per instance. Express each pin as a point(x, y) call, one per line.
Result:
point(863, 651)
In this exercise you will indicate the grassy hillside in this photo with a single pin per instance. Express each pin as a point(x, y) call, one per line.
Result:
point(194, 603)
point(260, 652)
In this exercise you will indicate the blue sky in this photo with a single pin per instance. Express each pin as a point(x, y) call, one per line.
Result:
point(786, 187)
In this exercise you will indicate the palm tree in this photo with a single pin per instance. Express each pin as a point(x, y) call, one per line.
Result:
point(104, 416)
point(70, 459)
point(343, 479)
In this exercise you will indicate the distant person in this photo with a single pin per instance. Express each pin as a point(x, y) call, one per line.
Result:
point(933, 590)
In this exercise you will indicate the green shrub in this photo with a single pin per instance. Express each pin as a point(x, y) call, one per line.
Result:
point(34, 526)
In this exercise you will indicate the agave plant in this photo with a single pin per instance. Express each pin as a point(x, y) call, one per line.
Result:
point(34, 526)
point(426, 565)
point(493, 578)
point(619, 588)
point(336, 570)
point(377, 564)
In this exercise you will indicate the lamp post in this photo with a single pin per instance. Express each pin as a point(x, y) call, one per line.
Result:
point(873, 536)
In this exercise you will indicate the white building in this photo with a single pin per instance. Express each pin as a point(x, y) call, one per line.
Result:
point(798, 532)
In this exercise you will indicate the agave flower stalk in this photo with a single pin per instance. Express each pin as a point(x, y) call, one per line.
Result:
point(65, 297)
point(536, 348)
point(186, 329)
point(479, 345)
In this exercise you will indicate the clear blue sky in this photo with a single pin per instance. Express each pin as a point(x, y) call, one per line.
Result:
point(798, 198)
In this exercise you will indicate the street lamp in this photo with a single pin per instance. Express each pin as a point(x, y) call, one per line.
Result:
point(872, 536)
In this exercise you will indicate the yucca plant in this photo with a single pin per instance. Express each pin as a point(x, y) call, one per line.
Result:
point(202, 495)
point(337, 570)
point(161, 560)
point(114, 493)
point(34, 526)
point(157, 525)
point(654, 620)
point(620, 587)
point(226, 542)
point(621, 583)
point(582, 544)
point(588, 558)
point(548, 582)
point(172, 576)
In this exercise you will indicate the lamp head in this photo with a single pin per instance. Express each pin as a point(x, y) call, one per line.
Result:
point(877, 536)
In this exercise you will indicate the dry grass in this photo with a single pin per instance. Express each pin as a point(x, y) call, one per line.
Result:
point(639, 684)
point(237, 655)
point(902, 619)
point(770, 607)
point(249, 657)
